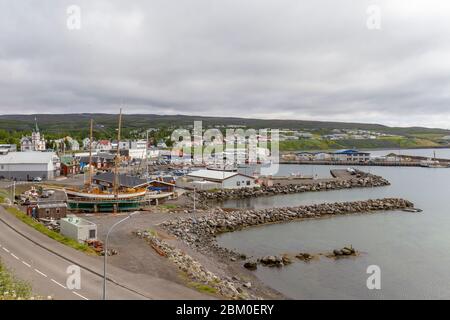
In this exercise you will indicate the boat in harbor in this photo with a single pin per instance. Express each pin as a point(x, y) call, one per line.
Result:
point(115, 197)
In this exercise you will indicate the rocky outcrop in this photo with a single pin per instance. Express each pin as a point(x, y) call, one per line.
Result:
point(359, 180)
point(346, 251)
point(304, 256)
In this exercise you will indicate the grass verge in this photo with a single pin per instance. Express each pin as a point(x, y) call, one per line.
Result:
point(168, 206)
point(201, 287)
point(12, 288)
point(50, 233)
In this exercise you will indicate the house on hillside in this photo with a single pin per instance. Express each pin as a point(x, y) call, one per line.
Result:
point(100, 161)
point(67, 144)
point(69, 165)
point(103, 145)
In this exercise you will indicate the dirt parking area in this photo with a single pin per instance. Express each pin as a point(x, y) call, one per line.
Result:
point(137, 256)
point(134, 254)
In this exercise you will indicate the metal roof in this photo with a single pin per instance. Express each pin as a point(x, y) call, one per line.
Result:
point(217, 175)
point(124, 180)
point(30, 157)
point(350, 151)
point(51, 205)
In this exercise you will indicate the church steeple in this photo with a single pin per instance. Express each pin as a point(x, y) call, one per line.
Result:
point(35, 122)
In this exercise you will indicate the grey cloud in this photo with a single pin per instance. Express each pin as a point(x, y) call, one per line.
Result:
point(254, 58)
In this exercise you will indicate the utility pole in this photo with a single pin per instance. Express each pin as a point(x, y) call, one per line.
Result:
point(194, 201)
point(90, 154)
point(105, 251)
point(13, 192)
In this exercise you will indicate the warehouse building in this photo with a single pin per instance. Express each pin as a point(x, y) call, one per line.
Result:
point(30, 165)
point(351, 155)
point(224, 179)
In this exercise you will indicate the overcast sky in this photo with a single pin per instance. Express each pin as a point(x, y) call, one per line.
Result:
point(288, 59)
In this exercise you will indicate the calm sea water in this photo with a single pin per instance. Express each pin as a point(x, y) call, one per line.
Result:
point(412, 249)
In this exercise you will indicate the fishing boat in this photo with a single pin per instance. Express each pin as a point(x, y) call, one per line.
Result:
point(100, 198)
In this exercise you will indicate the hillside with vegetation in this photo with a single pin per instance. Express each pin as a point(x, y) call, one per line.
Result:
point(382, 143)
point(55, 126)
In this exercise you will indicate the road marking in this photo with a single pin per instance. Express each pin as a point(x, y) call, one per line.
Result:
point(42, 274)
point(77, 294)
point(28, 265)
point(16, 257)
point(5, 249)
point(59, 284)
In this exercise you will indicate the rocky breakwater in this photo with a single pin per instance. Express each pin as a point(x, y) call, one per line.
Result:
point(201, 231)
point(358, 180)
point(196, 272)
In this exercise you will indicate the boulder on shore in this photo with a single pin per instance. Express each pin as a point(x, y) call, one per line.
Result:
point(251, 265)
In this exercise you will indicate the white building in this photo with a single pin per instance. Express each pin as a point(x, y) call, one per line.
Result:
point(9, 147)
point(78, 228)
point(303, 135)
point(67, 144)
point(74, 144)
point(133, 144)
point(137, 153)
point(29, 165)
point(225, 179)
point(351, 155)
point(33, 143)
point(103, 145)
point(86, 143)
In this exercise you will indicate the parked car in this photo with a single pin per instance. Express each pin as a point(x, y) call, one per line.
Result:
point(37, 179)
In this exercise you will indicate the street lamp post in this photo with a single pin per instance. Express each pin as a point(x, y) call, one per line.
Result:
point(194, 201)
point(105, 251)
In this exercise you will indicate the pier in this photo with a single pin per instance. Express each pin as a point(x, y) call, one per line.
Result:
point(368, 163)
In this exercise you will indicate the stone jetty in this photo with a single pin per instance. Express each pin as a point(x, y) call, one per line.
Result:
point(359, 180)
point(200, 232)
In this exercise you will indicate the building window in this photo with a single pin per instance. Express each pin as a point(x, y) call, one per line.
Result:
point(3, 167)
point(47, 211)
point(91, 234)
point(248, 182)
point(57, 210)
point(238, 183)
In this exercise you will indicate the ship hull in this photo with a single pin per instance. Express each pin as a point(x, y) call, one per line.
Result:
point(84, 202)
point(94, 206)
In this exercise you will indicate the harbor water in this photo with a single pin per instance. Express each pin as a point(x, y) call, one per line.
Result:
point(411, 249)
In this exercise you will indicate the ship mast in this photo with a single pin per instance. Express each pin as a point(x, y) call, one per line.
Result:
point(90, 155)
point(116, 169)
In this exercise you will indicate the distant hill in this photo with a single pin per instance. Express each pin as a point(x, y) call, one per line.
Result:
point(57, 123)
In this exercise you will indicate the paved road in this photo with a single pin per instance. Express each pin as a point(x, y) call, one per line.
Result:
point(47, 272)
point(43, 262)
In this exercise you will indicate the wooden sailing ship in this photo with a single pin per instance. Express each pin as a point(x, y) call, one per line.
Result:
point(97, 198)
